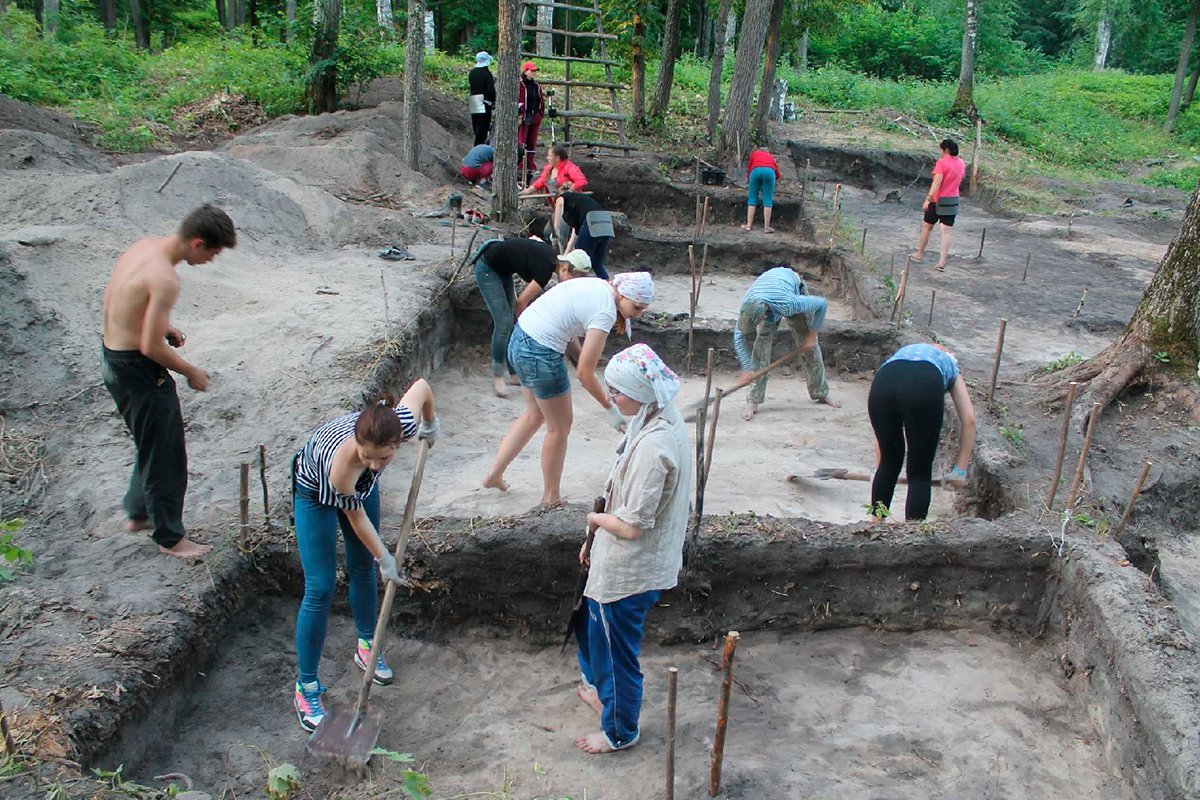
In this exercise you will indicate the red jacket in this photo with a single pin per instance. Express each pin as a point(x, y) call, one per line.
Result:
point(761, 158)
point(567, 171)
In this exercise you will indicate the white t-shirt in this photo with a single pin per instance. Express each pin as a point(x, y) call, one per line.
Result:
point(568, 310)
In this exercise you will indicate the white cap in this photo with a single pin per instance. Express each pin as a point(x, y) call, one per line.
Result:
point(579, 261)
point(483, 58)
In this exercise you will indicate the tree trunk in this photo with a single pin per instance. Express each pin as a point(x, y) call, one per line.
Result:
point(1185, 56)
point(718, 64)
point(321, 91)
point(414, 57)
point(50, 19)
point(803, 60)
point(702, 29)
point(637, 114)
point(1166, 321)
point(430, 30)
point(666, 64)
point(289, 32)
point(766, 87)
point(1103, 41)
point(730, 29)
point(545, 41)
point(383, 16)
point(964, 100)
point(504, 129)
point(222, 18)
point(141, 28)
point(735, 130)
point(1190, 92)
point(107, 10)
point(5, 32)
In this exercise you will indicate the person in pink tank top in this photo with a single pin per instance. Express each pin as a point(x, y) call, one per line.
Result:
point(941, 204)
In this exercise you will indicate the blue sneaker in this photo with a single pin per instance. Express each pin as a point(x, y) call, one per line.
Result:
point(383, 673)
point(309, 704)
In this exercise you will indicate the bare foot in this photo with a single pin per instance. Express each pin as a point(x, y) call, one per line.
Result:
point(499, 387)
point(135, 525)
point(768, 230)
point(748, 414)
point(186, 548)
point(589, 698)
point(829, 401)
point(746, 228)
point(491, 482)
point(916, 258)
point(593, 743)
point(940, 266)
point(552, 501)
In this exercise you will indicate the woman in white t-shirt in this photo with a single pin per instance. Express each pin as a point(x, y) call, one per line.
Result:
point(587, 307)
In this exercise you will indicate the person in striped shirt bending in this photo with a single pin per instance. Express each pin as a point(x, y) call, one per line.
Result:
point(335, 485)
point(779, 293)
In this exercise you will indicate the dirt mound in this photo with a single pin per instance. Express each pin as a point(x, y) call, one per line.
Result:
point(217, 118)
point(16, 114)
point(34, 150)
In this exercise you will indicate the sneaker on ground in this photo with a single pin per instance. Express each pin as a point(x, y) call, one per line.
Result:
point(309, 704)
point(383, 673)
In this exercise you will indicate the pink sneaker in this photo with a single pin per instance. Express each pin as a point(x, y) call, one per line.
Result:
point(383, 673)
point(309, 704)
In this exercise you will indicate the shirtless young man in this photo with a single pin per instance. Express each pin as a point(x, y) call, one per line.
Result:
point(137, 362)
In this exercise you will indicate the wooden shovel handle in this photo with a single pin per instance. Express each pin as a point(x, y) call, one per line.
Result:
point(598, 506)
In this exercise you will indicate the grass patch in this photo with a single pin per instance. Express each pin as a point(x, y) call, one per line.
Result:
point(1184, 179)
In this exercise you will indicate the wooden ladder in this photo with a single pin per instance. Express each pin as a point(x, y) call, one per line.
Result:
point(569, 112)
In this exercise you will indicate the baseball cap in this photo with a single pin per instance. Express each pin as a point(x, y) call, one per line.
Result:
point(529, 65)
point(578, 259)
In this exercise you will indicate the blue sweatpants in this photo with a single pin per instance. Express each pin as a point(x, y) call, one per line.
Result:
point(610, 637)
point(762, 182)
point(316, 538)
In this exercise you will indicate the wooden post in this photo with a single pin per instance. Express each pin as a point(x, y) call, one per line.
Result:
point(837, 212)
point(898, 303)
point(975, 154)
point(1025, 274)
point(244, 487)
point(701, 418)
point(807, 175)
point(996, 364)
point(1087, 445)
point(712, 437)
point(687, 361)
point(704, 218)
point(1078, 308)
point(1137, 490)
point(170, 177)
point(1062, 443)
point(824, 183)
point(982, 239)
point(1070, 222)
point(696, 230)
point(672, 689)
point(718, 749)
point(862, 247)
point(262, 477)
point(932, 300)
point(454, 231)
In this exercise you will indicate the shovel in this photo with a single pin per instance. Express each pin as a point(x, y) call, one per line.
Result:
point(348, 733)
point(774, 365)
point(581, 584)
point(838, 473)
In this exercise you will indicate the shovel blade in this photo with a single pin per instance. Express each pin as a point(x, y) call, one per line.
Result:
point(826, 473)
point(346, 736)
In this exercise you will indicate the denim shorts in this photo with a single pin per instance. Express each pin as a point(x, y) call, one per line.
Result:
point(540, 369)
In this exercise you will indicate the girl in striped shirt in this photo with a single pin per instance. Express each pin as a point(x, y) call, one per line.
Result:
point(335, 485)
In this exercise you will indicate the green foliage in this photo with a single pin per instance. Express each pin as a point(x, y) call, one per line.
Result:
point(1184, 179)
point(1069, 360)
point(1162, 356)
point(13, 557)
point(283, 781)
point(878, 510)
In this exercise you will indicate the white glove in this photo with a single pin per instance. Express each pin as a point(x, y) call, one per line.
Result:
point(429, 431)
point(387, 568)
point(615, 417)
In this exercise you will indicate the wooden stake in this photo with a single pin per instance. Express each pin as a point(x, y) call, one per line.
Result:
point(696, 234)
point(1078, 308)
point(262, 477)
point(824, 183)
point(704, 218)
point(1137, 489)
point(454, 231)
point(996, 363)
point(10, 746)
point(892, 268)
point(898, 303)
point(932, 300)
point(1062, 443)
point(687, 360)
point(672, 689)
point(982, 239)
point(837, 212)
point(712, 437)
point(718, 749)
point(244, 486)
point(1070, 222)
point(1087, 445)
point(1025, 274)
point(975, 154)
point(701, 418)
point(807, 175)
point(862, 247)
point(169, 178)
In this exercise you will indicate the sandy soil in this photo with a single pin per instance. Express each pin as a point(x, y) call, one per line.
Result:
point(849, 714)
point(790, 434)
point(721, 297)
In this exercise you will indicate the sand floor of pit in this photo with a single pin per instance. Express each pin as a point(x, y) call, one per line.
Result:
point(750, 462)
point(843, 714)
point(721, 296)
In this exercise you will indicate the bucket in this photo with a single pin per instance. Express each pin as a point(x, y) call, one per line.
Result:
point(711, 176)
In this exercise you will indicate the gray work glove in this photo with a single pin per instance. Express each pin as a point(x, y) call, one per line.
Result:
point(431, 430)
point(615, 418)
point(387, 568)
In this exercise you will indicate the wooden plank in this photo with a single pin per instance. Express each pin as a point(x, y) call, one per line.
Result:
point(567, 6)
point(574, 34)
point(588, 114)
point(570, 58)
point(583, 84)
point(609, 145)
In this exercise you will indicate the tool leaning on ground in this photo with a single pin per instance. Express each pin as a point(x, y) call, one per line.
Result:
point(577, 609)
point(349, 732)
point(838, 473)
point(774, 365)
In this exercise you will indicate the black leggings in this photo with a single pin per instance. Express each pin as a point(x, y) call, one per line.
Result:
point(907, 401)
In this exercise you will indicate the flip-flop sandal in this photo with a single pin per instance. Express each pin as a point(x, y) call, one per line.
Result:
point(396, 254)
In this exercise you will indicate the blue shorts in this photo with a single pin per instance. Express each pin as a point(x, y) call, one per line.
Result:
point(540, 369)
point(762, 182)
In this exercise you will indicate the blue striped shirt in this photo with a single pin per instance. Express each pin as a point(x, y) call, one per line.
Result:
point(784, 295)
point(946, 363)
point(315, 460)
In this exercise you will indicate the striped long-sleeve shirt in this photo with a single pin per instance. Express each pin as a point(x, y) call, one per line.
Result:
point(783, 294)
point(315, 460)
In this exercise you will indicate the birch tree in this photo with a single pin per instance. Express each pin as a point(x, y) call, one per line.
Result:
point(321, 91)
point(718, 64)
point(666, 65)
point(383, 16)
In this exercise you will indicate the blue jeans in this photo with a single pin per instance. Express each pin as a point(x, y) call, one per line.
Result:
point(595, 246)
point(501, 300)
point(610, 637)
point(316, 538)
point(541, 370)
point(762, 182)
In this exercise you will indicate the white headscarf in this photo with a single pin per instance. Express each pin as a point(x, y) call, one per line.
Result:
point(637, 286)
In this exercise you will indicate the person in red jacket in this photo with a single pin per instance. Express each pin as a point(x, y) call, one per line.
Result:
point(559, 175)
point(531, 106)
point(762, 172)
